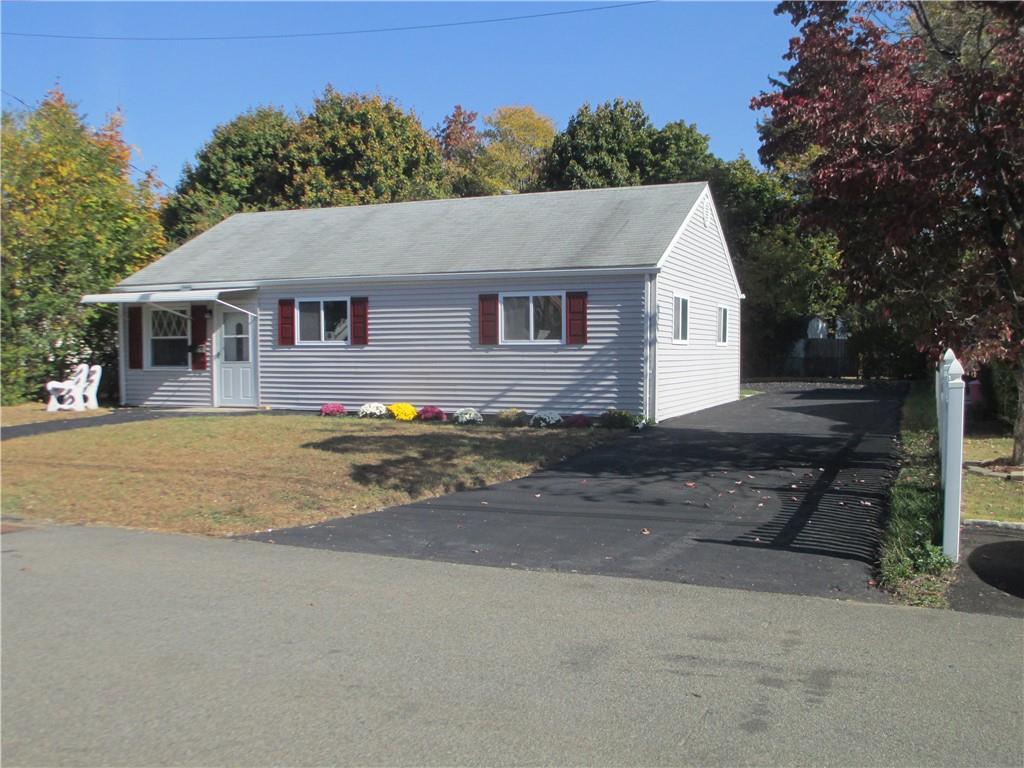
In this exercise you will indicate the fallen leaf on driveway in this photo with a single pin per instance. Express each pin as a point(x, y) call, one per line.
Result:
point(484, 502)
point(536, 495)
point(645, 531)
point(691, 485)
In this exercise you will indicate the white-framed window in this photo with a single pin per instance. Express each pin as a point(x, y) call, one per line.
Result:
point(322, 321)
point(169, 330)
point(532, 318)
point(680, 319)
point(723, 325)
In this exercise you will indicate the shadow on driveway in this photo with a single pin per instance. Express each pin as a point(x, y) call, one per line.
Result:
point(783, 492)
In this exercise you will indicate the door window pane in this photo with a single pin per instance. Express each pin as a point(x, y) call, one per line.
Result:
point(236, 350)
point(516, 318)
point(547, 318)
point(335, 321)
point(236, 337)
point(309, 321)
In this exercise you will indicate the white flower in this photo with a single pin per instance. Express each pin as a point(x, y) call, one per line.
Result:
point(467, 416)
point(546, 419)
point(373, 411)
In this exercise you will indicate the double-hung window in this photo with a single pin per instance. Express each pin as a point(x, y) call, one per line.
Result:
point(680, 319)
point(723, 325)
point(532, 318)
point(322, 320)
point(168, 337)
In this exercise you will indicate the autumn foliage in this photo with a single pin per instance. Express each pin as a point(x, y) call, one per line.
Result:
point(74, 222)
point(910, 117)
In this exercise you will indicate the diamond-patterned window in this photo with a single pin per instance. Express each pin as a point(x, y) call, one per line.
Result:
point(168, 338)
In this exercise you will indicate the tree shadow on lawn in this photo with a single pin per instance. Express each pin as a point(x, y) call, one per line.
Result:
point(447, 461)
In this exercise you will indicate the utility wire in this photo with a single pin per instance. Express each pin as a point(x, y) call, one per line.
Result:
point(376, 30)
point(10, 95)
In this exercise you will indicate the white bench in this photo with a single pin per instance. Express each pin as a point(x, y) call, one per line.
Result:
point(77, 393)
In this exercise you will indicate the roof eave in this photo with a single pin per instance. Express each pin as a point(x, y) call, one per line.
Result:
point(483, 275)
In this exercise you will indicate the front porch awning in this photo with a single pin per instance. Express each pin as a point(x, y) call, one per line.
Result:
point(165, 297)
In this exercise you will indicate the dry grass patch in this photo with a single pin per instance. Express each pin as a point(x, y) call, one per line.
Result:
point(235, 474)
point(32, 413)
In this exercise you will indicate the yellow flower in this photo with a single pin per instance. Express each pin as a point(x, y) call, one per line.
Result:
point(403, 411)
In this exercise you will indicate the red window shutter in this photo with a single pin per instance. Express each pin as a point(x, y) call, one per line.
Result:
point(488, 318)
point(199, 337)
point(134, 337)
point(286, 322)
point(576, 318)
point(360, 321)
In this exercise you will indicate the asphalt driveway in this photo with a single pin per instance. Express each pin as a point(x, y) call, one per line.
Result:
point(782, 492)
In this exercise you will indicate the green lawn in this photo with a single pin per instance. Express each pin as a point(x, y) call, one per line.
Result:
point(235, 474)
point(991, 498)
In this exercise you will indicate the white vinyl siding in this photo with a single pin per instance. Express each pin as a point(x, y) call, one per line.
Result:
point(162, 387)
point(424, 349)
point(702, 372)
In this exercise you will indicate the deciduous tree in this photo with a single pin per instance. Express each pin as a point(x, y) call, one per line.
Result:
point(516, 143)
point(242, 168)
point(74, 222)
point(353, 149)
point(914, 114)
point(606, 146)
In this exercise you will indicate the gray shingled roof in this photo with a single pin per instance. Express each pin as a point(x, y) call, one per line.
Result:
point(621, 227)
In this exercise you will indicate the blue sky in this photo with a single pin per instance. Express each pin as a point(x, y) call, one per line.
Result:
point(700, 62)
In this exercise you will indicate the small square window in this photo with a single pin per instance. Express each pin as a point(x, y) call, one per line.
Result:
point(681, 319)
point(322, 320)
point(532, 318)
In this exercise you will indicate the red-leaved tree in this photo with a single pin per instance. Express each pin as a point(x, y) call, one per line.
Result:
point(910, 119)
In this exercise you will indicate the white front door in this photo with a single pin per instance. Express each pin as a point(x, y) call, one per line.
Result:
point(235, 369)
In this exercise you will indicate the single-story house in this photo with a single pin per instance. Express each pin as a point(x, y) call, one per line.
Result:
point(574, 301)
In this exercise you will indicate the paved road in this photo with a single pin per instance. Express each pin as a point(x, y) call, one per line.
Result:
point(131, 648)
point(787, 492)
